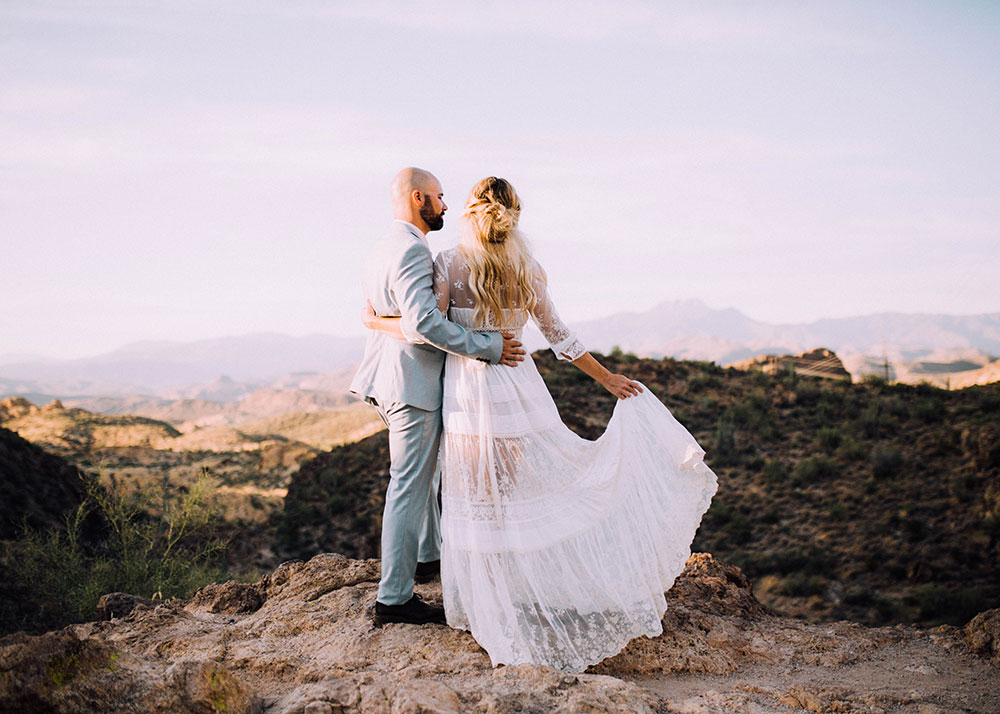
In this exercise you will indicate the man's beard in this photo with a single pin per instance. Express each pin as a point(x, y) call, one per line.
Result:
point(434, 221)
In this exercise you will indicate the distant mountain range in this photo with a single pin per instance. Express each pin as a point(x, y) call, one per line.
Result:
point(689, 329)
point(228, 369)
point(220, 369)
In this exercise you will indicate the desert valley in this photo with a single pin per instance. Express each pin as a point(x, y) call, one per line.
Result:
point(858, 515)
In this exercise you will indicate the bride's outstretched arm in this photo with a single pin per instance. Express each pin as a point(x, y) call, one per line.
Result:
point(569, 349)
point(618, 384)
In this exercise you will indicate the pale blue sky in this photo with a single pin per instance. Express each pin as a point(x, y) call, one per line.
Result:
point(181, 170)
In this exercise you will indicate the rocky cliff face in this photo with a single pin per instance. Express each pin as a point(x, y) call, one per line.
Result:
point(300, 641)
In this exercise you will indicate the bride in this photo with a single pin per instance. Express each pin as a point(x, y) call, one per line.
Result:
point(556, 550)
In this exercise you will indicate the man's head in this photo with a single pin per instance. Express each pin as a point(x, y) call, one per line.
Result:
point(418, 199)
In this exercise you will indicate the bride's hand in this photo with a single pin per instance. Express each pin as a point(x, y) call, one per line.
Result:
point(368, 317)
point(621, 386)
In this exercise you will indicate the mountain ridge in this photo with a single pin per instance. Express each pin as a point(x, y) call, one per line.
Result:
point(686, 329)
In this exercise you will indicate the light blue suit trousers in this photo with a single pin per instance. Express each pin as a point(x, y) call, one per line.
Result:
point(411, 526)
point(403, 381)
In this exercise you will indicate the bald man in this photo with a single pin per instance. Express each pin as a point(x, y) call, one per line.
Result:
point(402, 380)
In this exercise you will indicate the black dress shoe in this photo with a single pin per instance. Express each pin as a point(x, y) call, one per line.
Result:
point(414, 611)
point(427, 571)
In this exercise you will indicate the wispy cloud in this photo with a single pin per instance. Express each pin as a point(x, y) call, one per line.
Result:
point(729, 28)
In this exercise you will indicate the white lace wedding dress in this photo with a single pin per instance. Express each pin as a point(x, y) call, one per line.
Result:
point(556, 550)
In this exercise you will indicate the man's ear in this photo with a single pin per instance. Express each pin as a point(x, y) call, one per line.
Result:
point(417, 197)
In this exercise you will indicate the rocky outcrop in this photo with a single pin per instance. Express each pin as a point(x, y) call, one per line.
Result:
point(78, 429)
point(301, 641)
point(14, 408)
point(983, 635)
point(62, 672)
point(819, 362)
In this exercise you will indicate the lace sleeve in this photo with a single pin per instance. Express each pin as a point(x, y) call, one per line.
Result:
point(562, 340)
point(442, 290)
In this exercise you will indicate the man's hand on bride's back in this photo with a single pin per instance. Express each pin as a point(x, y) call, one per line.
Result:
point(513, 352)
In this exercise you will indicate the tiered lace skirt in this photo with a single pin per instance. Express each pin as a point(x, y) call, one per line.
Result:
point(557, 550)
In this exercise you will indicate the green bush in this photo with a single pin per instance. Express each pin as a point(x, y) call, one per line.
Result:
point(886, 461)
point(818, 468)
point(724, 452)
point(938, 604)
point(801, 585)
point(807, 391)
point(929, 410)
point(828, 437)
point(59, 579)
point(874, 380)
point(872, 421)
point(774, 472)
point(851, 450)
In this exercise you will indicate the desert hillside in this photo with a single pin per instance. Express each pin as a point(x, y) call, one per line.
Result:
point(867, 501)
point(38, 488)
point(252, 461)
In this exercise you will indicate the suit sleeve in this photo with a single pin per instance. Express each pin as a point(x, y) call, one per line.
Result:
point(421, 319)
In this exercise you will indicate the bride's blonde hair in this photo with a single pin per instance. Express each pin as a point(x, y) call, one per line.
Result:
point(502, 272)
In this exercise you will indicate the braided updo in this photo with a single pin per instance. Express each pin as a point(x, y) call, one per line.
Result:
point(502, 273)
point(493, 209)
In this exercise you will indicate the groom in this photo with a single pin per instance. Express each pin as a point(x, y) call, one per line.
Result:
point(402, 380)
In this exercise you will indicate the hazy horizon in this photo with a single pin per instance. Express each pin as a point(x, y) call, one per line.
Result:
point(189, 171)
point(12, 357)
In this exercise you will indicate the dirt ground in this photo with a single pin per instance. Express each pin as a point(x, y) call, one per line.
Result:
point(916, 676)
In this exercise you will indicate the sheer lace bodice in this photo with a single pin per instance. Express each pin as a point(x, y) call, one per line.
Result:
point(451, 287)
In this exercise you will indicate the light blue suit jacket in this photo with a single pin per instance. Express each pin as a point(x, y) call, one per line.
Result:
point(398, 280)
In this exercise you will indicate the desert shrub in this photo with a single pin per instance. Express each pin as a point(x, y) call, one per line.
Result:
point(874, 380)
point(752, 414)
point(895, 406)
point(823, 413)
point(851, 450)
point(807, 391)
point(729, 528)
point(987, 398)
point(774, 472)
point(706, 403)
point(811, 560)
point(171, 555)
point(929, 410)
point(990, 527)
point(724, 452)
point(699, 381)
point(915, 528)
point(837, 510)
point(770, 516)
point(873, 422)
point(859, 596)
point(886, 461)
point(938, 604)
point(991, 500)
point(817, 468)
point(828, 437)
point(962, 487)
point(801, 585)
